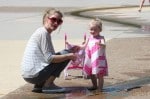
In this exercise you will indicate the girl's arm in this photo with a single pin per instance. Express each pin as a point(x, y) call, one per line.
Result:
point(102, 42)
point(84, 44)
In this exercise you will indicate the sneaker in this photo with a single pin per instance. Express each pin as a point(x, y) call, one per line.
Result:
point(37, 89)
point(54, 89)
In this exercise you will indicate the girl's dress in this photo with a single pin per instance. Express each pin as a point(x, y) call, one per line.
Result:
point(95, 59)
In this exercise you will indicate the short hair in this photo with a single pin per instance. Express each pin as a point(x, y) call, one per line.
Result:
point(98, 22)
point(49, 12)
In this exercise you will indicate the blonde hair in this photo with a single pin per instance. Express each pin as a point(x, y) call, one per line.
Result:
point(49, 12)
point(97, 22)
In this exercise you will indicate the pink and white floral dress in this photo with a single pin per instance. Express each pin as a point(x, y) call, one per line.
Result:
point(95, 59)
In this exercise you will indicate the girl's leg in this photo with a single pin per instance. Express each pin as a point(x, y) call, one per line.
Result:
point(100, 82)
point(94, 81)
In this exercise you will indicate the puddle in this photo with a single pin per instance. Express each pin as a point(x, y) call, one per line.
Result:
point(128, 85)
point(83, 93)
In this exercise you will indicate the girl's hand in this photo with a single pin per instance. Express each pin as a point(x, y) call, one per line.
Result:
point(101, 45)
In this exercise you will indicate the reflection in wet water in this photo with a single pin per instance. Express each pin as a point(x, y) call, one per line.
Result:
point(83, 93)
point(77, 92)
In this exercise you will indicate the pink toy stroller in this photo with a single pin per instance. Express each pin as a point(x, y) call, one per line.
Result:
point(78, 63)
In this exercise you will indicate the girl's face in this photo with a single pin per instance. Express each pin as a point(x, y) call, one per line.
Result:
point(94, 29)
point(54, 21)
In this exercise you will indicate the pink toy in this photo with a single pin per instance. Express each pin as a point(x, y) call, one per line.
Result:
point(78, 63)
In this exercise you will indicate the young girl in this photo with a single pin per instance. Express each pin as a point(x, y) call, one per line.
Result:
point(95, 64)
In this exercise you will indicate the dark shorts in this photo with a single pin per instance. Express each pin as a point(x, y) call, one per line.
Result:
point(53, 69)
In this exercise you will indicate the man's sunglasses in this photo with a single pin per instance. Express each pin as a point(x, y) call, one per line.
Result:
point(53, 19)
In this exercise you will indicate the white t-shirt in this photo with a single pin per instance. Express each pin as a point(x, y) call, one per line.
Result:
point(38, 53)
